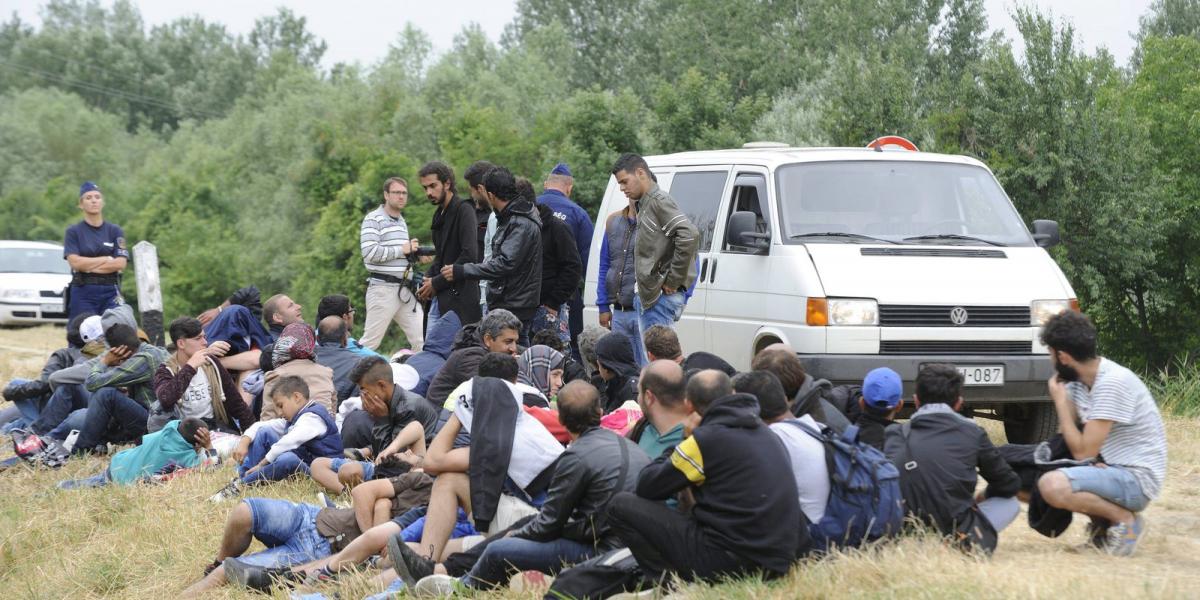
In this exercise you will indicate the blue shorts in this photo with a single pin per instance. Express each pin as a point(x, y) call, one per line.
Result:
point(368, 467)
point(1115, 484)
point(288, 530)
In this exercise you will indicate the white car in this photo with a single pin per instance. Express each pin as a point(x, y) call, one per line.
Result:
point(33, 276)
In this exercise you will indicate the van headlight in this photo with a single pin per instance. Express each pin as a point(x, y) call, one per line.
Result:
point(18, 294)
point(845, 311)
point(1042, 310)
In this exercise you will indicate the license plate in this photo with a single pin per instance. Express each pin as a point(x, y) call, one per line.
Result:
point(982, 374)
point(52, 308)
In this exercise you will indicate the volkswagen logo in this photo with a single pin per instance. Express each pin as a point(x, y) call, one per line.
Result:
point(958, 315)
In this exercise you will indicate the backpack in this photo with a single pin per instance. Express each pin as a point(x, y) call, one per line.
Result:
point(864, 492)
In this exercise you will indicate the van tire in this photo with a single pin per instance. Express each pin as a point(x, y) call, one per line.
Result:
point(763, 343)
point(1030, 423)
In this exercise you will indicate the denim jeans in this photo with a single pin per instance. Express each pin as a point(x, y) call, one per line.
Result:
point(1111, 483)
point(1000, 512)
point(75, 420)
point(111, 417)
point(666, 310)
point(236, 325)
point(284, 466)
point(561, 323)
point(511, 554)
point(288, 530)
point(98, 480)
point(65, 400)
point(627, 322)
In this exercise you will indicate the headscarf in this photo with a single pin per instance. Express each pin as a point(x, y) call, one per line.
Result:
point(295, 342)
point(534, 366)
point(615, 352)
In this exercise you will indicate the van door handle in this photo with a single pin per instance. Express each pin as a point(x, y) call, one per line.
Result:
point(713, 272)
point(703, 269)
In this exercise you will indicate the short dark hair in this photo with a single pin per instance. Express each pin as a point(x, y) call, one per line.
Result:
point(288, 385)
point(499, 365)
point(387, 183)
point(476, 172)
point(662, 342)
point(525, 190)
point(707, 387)
point(547, 337)
point(270, 308)
point(501, 183)
point(939, 383)
point(331, 330)
point(370, 370)
point(121, 334)
point(579, 407)
point(630, 162)
point(785, 365)
point(1071, 332)
point(668, 388)
point(442, 170)
point(188, 428)
point(765, 386)
point(184, 328)
point(333, 305)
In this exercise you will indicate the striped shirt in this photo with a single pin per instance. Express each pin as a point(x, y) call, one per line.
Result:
point(1137, 440)
point(382, 240)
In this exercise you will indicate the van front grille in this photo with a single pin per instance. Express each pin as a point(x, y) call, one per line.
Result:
point(907, 315)
point(954, 347)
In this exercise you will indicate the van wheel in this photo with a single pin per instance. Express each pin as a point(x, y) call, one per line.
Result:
point(1030, 423)
point(763, 343)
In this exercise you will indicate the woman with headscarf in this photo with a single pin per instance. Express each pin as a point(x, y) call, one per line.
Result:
point(541, 368)
point(293, 354)
point(618, 370)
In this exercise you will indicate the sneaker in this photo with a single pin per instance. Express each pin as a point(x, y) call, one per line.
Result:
point(529, 581)
point(1123, 538)
point(27, 444)
point(354, 454)
point(319, 576)
point(232, 490)
point(409, 566)
point(323, 500)
point(54, 455)
point(259, 578)
point(439, 586)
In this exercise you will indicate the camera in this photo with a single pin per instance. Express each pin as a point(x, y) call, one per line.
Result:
point(423, 251)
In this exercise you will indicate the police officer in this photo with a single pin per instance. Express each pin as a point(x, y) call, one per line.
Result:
point(95, 250)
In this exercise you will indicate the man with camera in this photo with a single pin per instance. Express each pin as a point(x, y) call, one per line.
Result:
point(387, 251)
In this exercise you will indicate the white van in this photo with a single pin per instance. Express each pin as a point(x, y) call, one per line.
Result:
point(866, 257)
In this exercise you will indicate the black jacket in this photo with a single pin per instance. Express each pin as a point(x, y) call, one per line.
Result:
point(404, 408)
point(616, 354)
point(514, 272)
point(586, 477)
point(938, 465)
point(812, 398)
point(745, 493)
point(455, 233)
point(462, 364)
point(561, 266)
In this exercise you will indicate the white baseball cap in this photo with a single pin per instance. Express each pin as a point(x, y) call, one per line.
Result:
point(405, 376)
point(91, 329)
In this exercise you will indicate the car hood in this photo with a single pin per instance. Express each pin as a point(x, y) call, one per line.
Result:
point(35, 281)
point(920, 274)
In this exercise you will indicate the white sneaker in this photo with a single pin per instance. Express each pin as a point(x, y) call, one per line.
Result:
point(232, 490)
point(437, 586)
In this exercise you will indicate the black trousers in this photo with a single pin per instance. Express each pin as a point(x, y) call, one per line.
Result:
point(665, 541)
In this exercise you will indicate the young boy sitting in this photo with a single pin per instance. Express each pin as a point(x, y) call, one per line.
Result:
point(880, 401)
point(274, 450)
point(938, 452)
point(185, 443)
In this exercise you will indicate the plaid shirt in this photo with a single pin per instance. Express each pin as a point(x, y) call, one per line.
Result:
point(136, 374)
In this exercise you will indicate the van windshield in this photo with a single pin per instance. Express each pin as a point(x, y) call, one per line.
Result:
point(896, 202)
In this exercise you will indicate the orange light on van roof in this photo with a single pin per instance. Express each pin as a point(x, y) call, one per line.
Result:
point(1074, 303)
point(888, 142)
point(817, 313)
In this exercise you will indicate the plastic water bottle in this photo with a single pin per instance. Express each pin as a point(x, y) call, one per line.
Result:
point(69, 443)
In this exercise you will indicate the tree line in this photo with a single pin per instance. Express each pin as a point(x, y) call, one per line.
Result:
point(245, 160)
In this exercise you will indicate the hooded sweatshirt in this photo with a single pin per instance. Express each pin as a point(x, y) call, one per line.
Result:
point(157, 450)
point(615, 352)
point(745, 492)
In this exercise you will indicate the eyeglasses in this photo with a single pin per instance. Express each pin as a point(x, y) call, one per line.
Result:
point(395, 192)
point(350, 312)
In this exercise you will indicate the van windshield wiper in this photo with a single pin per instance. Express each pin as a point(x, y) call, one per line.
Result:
point(952, 236)
point(841, 234)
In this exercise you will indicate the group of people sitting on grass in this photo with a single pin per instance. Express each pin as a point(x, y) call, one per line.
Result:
point(479, 462)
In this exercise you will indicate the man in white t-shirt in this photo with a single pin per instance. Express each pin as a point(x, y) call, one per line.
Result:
point(807, 454)
point(1122, 430)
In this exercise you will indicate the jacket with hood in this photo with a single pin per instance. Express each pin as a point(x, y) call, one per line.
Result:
point(60, 359)
point(514, 272)
point(455, 234)
point(745, 493)
point(615, 352)
point(439, 343)
point(811, 400)
point(462, 364)
point(666, 247)
point(562, 268)
point(156, 451)
point(402, 410)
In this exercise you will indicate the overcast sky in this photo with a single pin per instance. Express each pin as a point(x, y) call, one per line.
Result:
point(359, 30)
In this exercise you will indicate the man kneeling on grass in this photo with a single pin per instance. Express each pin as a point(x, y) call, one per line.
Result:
point(276, 449)
point(1121, 428)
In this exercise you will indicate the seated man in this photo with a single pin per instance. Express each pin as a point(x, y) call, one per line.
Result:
point(664, 408)
point(617, 369)
point(332, 352)
point(193, 383)
point(1121, 427)
point(401, 424)
point(114, 415)
point(662, 343)
point(938, 452)
point(878, 404)
point(30, 396)
point(807, 393)
point(497, 332)
point(237, 322)
point(728, 458)
point(184, 444)
point(807, 454)
point(570, 527)
point(338, 305)
point(279, 311)
point(274, 450)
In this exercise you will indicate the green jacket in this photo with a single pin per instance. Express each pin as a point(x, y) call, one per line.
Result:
point(666, 246)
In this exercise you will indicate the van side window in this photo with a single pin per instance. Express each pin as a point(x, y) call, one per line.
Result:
point(698, 194)
point(749, 195)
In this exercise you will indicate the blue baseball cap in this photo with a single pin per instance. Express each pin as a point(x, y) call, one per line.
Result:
point(882, 388)
point(561, 169)
point(88, 186)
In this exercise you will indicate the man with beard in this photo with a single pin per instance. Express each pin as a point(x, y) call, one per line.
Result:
point(454, 238)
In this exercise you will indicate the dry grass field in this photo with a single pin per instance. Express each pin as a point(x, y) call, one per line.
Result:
point(151, 542)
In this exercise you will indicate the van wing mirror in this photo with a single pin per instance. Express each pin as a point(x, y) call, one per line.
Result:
point(742, 230)
point(1045, 233)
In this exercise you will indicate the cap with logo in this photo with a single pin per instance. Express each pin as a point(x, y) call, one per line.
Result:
point(91, 329)
point(88, 186)
point(561, 169)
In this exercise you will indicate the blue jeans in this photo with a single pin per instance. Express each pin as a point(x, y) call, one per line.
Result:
point(666, 310)
point(111, 417)
point(98, 480)
point(462, 527)
point(237, 325)
point(65, 400)
point(93, 299)
point(288, 530)
point(368, 467)
point(1111, 483)
point(515, 554)
point(285, 464)
point(75, 420)
point(627, 322)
